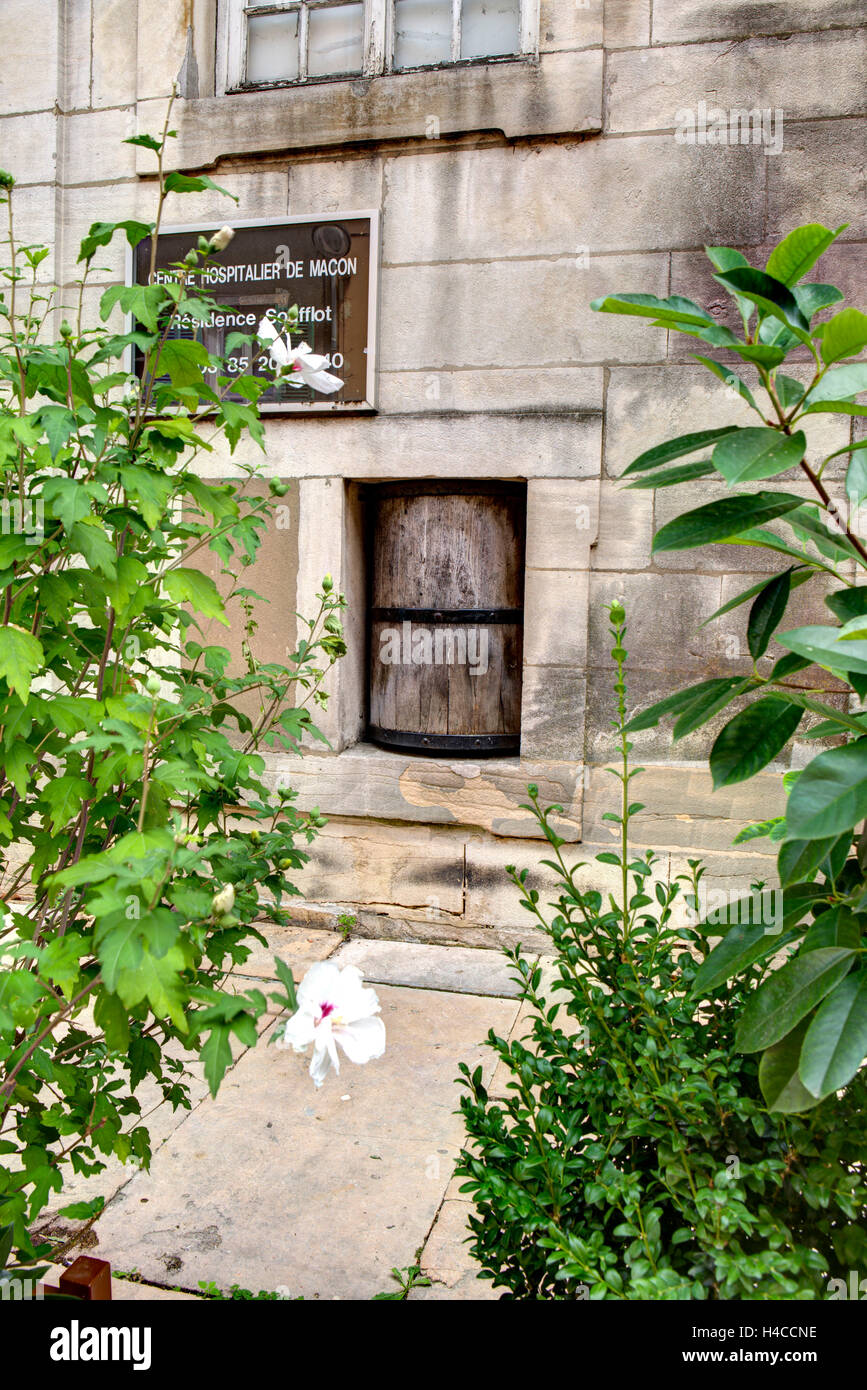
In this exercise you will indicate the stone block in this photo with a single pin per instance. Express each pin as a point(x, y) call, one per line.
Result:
point(30, 148)
point(562, 522)
point(569, 27)
point(364, 781)
point(664, 613)
point(29, 58)
point(162, 43)
point(688, 21)
point(548, 298)
point(458, 969)
point(646, 89)
point(539, 389)
point(114, 51)
point(641, 194)
point(447, 1262)
point(627, 23)
point(555, 617)
point(647, 405)
point(490, 894)
point(820, 176)
point(400, 866)
point(75, 56)
point(552, 712)
point(94, 152)
point(625, 528)
point(326, 186)
point(488, 444)
point(559, 94)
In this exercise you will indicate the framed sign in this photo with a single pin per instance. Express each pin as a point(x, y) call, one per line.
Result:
point(327, 266)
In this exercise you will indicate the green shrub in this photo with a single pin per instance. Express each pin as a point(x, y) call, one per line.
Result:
point(811, 1018)
point(139, 838)
point(634, 1157)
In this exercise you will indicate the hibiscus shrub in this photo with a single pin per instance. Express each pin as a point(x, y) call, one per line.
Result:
point(139, 838)
point(633, 1156)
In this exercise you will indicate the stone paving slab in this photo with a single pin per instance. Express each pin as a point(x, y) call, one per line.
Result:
point(447, 1261)
point(299, 947)
point(276, 1184)
point(461, 969)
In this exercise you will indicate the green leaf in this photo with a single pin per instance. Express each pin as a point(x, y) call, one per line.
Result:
point(793, 991)
point(721, 520)
point(101, 233)
point(755, 453)
point(110, 1015)
point(157, 980)
point(216, 1056)
point(706, 705)
point(836, 927)
point(848, 603)
point(192, 586)
point(89, 539)
point(830, 795)
point(21, 656)
point(731, 379)
point(813, 298)
point(767, 612)
point(768, 293)
point(186, 183)
point(836, 1041)
point(676, 448)
point(741, 947)
point(845, 335)
point(856, 476)
point(780, 1084)
point(752, 739)
point(821, 644)
point(799, 251)
point(796, 578)
point(672, 704)
point(64, 797)
point(675, 308)
point(839, 384)
point(799, 859)
point(58, 423)
point(669, 477)
point(183, 360)
point(287, 980)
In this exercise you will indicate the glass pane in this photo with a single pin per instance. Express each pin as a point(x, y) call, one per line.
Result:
point(489, 27)
point(422, 32)
point(272, 47)
point(335, 41)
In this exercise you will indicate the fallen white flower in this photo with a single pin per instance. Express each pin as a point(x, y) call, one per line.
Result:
point(305, 367)
point(334, 1007)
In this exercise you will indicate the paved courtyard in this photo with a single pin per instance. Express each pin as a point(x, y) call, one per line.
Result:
point(275, 1185)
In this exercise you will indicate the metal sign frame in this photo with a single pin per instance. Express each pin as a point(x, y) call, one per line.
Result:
point(324, 407)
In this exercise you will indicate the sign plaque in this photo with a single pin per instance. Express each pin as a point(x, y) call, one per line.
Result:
point(327, 266)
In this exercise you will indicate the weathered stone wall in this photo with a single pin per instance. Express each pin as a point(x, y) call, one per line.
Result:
point(549, 182)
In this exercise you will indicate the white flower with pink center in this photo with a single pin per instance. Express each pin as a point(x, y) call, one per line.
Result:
point(334, 1008)
point(305, 368)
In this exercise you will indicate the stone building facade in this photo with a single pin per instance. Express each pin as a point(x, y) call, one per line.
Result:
point(513, 189)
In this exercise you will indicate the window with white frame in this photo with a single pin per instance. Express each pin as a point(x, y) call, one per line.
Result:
point(298, 41)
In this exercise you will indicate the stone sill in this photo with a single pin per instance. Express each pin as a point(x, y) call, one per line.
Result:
point(369, 783)
point(556, 94)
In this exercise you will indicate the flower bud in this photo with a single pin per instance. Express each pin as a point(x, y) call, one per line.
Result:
point(327, 584)
point(191, 258)
point(6, 180)
point(220, 240)
point(65, 330)
point(277, 488)
point(617, 613)
point(224, 901)
point(153, 683)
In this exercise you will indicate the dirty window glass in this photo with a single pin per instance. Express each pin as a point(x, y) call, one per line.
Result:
point(272, 47)
point(489, 28)
point(335, 40)
point(422, 32)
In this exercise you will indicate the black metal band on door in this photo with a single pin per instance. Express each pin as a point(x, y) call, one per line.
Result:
point(456, 616)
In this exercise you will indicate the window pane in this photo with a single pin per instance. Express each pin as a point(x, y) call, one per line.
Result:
point(489, 27)
point(335, 41)
point(422, 32)
point(272, 47)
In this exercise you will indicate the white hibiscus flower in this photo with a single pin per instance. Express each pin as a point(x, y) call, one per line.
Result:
point(334, 1008)
point(304, 367)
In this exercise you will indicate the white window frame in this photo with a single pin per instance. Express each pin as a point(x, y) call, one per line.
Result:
point(378, 41)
